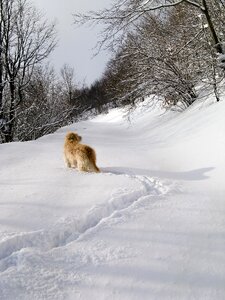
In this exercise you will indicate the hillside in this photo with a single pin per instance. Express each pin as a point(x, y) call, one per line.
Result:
point(149, 226)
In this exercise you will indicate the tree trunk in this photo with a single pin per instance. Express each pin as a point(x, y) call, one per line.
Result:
point(211, 27)
point(1, 71)
point(11, 119)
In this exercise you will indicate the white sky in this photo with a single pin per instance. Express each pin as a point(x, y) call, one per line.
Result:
point(75, 45)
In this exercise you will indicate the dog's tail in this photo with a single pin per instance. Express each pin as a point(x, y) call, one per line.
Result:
point(92, 156)
point(96, 169)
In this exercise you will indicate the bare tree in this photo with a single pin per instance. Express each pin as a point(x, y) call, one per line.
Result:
point(67, 74)
point(26, 40)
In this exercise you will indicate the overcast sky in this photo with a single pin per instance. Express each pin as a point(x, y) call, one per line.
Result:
point(75, 46)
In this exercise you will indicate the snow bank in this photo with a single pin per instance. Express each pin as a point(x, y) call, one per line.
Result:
point(149, 226)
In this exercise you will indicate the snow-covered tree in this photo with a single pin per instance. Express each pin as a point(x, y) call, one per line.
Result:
point(162, 46)
point(25, 41)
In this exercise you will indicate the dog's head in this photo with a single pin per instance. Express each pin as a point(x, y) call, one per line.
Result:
point(72, 137)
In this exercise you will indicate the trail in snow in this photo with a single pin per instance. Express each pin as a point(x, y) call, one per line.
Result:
point(71, 229)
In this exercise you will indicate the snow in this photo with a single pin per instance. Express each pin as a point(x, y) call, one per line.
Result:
point(150, 226)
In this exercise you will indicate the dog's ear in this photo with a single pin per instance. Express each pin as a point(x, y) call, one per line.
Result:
point(79, 138)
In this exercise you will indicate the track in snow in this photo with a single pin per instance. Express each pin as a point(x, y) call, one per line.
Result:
point(72, 229)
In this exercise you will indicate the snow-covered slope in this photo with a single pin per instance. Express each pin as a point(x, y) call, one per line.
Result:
point(150, 226)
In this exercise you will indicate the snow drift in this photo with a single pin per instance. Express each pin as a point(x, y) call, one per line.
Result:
point(149, 226)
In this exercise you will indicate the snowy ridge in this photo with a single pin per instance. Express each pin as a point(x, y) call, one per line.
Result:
point(72, 229)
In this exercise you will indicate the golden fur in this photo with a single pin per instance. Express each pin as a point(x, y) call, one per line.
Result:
point(78, 155)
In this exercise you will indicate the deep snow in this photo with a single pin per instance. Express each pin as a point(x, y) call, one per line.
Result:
point(150, 226)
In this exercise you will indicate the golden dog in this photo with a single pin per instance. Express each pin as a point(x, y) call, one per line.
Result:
point(78, 155)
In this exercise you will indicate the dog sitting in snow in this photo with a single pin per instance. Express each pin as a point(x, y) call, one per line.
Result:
point(79, 156)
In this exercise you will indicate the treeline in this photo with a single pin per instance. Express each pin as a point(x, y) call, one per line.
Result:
point(165, 48)
point(34, 101)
